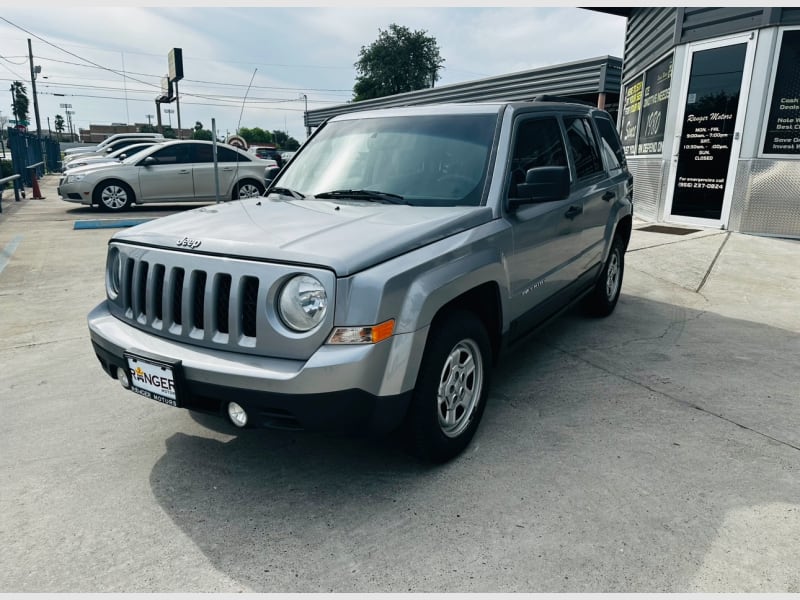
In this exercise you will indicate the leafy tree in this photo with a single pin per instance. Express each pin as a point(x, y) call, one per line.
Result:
point(59, 124)
point(148, 128)
point(256, 135)
point(198, 125)
point(20, 98)
point(202, 134)
point(170, 133)
point(400, 60)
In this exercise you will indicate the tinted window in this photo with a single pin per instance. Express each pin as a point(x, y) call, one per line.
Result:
point(203, 153)
point(583, 147)
point(538, 144)
point(172, 155)
point(228, 155)
point(609, 144)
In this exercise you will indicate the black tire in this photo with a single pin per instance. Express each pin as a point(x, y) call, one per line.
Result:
point(434, 433)
point(603, 298)
point(248, 188)
point(113, 195)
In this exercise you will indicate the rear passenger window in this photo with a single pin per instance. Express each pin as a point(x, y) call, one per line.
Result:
point(538, 144)
point(610, 145)
point(583, 147)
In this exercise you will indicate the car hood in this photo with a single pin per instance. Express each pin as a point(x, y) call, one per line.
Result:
point(344, 236)
point(93, 166)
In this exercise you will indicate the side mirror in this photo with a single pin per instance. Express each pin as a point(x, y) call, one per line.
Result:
point(149, 161)
point(123, 156)
point(270, 174)
point(542, 184)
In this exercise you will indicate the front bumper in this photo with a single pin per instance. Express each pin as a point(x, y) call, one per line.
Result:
point(74, 192)
point(341, 388)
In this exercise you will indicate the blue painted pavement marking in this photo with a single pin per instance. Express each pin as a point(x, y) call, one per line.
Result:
point(5, 255)
point(108, 223)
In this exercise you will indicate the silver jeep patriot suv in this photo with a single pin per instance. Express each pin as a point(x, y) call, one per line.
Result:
point(380, 277)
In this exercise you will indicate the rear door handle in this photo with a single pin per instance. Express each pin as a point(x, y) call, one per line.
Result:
point(227, 169)
point(184, 171)
point(608, 196)
point(573, 212)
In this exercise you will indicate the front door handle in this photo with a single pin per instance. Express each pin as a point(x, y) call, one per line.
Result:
point(227, 169)
point(573, 212)
point(608, 195)
point(184, 171)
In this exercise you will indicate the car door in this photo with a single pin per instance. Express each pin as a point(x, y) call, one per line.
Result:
point(546, 235)
point(592, 190)
point(169, 177)
point(228, 162)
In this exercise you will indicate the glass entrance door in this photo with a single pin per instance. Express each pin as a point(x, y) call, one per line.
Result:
point(714, 97)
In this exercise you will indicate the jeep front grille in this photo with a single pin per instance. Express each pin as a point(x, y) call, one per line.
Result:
point(151, 287)
point(217, 302)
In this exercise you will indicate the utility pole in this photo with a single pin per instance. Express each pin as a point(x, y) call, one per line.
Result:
point(33, 89)
point(305, 117)
point(149, 122)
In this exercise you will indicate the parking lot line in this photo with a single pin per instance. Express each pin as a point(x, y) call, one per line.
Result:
point(108, 223)
point(5, 255)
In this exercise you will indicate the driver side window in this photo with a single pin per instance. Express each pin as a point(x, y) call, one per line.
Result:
point(538, 144)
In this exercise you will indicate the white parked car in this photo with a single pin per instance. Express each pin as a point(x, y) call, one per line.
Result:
point(109, 140)
point(112, 157)
point(174, 171)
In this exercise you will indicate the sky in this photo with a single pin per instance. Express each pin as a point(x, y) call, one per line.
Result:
point(252, 66)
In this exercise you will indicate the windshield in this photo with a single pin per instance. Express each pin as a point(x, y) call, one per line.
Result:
point(431, 160)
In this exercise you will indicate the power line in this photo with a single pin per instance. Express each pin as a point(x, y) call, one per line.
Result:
point(219, 83)
point(76, 55)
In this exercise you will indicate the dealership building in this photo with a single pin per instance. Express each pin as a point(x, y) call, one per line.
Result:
point(710, 116)
point(707, 102)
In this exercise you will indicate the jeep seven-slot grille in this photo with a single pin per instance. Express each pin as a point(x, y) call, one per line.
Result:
point(153, 294)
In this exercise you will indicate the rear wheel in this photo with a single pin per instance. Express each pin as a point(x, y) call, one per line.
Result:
point(603, 298)
point(113, 196)
point(452, 387)
point(247, 189)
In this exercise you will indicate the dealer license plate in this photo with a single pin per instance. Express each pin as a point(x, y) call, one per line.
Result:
point(152, 379)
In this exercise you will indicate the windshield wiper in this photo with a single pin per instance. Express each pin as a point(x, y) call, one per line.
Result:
point(363, 195)
point(287, 192)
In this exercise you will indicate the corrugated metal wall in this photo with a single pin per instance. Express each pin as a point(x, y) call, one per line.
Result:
point(649, 35)
point(701, 23)
point(648, 181)
point(601, 74)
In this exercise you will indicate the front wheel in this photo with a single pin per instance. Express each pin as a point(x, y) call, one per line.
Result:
point(603, 298)
point(452, 387)
point(247, 189)
point(113, 196)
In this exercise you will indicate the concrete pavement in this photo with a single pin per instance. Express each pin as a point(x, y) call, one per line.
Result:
point(656, 450)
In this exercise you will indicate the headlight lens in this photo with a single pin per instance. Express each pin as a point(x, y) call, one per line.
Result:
point(74, 178)
point(113, 273)
point(302, 303)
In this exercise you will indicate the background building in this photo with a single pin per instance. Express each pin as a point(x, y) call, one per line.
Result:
point(710, 116)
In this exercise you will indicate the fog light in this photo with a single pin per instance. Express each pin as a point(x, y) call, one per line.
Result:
point(124, 379)
point(237, 414)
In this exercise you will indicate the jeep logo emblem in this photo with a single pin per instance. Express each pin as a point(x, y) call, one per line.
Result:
point(189, 243)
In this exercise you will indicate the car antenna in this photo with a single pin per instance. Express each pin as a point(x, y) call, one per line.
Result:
point(238, 125)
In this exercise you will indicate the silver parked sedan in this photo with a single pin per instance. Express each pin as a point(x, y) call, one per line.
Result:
point(174, 171)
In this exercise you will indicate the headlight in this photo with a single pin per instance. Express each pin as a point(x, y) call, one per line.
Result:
point(74, 178)
point(113, 273)
point(302, 303)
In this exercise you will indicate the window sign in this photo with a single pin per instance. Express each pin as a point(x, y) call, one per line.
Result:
point(655, 99)
point(783, 125)
point(631, 109)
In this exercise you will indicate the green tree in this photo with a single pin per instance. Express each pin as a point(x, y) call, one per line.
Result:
point(400, 60)
point(148, 129)
point(202, 134)
point(255, 135)
point(169, 132)
point(20, 98)
point(59, 124)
